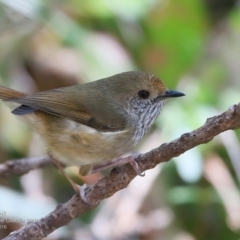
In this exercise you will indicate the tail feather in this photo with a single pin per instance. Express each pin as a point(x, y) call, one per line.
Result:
point(10, 94)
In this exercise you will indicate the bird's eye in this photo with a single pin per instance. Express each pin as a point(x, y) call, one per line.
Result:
point(143, 94)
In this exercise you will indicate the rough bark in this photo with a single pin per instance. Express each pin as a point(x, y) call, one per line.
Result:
point(121, 176)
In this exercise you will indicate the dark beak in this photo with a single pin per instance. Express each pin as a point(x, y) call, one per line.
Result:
point(172, 93)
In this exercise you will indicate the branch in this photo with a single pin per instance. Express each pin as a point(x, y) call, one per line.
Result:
point(120, 177)
point(23, 166)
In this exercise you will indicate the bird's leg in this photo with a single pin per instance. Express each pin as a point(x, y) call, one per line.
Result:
point(74, 185)
point(85, 170)
point(119, 162)
point(78, 189)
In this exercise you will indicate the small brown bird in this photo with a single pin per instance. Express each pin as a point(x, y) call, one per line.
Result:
point(90, 124)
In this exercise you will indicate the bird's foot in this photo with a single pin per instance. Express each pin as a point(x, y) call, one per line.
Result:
point(135, 165)
point(78, 189)
point(120, 162)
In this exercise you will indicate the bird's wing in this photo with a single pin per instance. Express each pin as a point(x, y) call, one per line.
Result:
point(63, 105)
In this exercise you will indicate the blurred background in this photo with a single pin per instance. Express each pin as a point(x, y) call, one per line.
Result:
point(194, 46)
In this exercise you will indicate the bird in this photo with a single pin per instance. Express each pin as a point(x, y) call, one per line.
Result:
point(90, 124)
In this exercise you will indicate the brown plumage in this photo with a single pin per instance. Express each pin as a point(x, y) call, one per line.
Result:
point(93, 123)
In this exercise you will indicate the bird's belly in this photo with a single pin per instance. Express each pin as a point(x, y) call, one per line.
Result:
point(86, 145)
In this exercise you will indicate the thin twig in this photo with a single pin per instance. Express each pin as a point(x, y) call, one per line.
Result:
point(120, 177)
point(23, 166)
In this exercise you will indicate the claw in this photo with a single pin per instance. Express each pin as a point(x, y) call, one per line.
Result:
point(136, 167)
point(82, 192)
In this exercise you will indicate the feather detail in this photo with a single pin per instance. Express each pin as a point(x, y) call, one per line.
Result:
point(23, 110)
point(63, 102)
